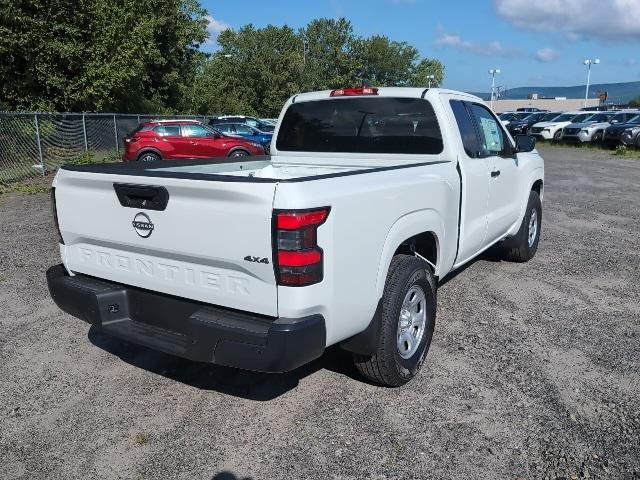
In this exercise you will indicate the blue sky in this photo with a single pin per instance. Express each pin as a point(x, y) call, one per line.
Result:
point(543, 47)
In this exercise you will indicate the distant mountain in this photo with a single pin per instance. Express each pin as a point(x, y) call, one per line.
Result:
point(618, 92)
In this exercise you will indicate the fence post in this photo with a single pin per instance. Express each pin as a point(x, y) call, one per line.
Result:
point(35, 119)
point(115, 131)
point(84, 131)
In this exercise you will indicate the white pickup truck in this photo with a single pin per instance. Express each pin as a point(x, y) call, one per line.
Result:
point(371, 196)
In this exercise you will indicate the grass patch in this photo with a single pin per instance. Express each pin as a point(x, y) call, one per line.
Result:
point(24, 188)
point(620, 151)
point(141, 438)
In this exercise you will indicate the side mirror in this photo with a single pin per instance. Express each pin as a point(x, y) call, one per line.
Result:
point(525, 143)
point(613, 121)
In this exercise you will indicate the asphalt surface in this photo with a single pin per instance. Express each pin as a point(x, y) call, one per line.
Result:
point(534, 371)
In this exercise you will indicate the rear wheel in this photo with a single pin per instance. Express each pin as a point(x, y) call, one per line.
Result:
point(149, 157)
point(407, 323)
point(524, 245)
point(239, 152)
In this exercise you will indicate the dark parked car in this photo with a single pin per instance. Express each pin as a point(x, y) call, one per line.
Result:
point(530, 109)
point(613, 134)
point(246, 131)
point(251, 121)
point(183, 139)
point(521, 127)
point(631, 137)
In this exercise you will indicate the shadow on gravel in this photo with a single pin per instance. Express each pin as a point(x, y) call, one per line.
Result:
point(231, 381)
point(225, 475)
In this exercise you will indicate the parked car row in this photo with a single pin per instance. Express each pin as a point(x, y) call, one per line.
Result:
point(610, 128)
point(230, 136)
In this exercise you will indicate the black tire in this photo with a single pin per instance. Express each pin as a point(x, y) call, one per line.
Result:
point(387, 366)
point(597, 137)
point(239, 152)
point(557, 136)
point(149, 157)
point(267, 148)
point(518, 248)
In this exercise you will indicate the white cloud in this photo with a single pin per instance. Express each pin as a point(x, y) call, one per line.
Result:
point(546, 55)
point(215, 27)
point(490, 49)
point(610, 20)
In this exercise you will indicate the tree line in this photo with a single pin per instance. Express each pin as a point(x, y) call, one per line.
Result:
point(146, 56)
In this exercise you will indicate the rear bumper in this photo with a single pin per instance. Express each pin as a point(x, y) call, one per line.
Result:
point(189, 329)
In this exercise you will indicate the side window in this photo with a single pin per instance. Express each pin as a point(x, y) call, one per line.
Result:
point(244, 130)
point(492, 139)
point(167, 130)
point(467, 131)
point(193, 130)
point(223, 127)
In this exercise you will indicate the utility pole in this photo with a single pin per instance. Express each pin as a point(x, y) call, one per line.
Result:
point(493, 73)
point(589, 62)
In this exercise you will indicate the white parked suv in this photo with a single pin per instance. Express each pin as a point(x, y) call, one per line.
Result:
point(572, 131)
point(370, 198)
point(552, 130)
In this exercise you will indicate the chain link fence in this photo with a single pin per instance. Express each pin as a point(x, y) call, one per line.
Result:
point(32, 144)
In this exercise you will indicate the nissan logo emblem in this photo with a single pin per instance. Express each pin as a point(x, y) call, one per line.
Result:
point(143, 225)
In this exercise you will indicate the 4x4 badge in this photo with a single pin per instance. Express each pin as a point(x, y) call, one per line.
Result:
point(250, 258)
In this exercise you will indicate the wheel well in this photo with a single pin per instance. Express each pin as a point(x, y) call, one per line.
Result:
point(235, 149)
point(148, 150)
point(425, 244)
point(537, 187)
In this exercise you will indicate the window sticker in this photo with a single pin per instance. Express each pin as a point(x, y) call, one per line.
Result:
point(491, 134)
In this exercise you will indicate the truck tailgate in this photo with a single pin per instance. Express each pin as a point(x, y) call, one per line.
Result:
point(212, 242)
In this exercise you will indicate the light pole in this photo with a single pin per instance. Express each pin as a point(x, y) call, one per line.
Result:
point(430, 77)
point(595, 61)
point(493, 73)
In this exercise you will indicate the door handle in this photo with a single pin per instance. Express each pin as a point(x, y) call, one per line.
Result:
point(495, 173)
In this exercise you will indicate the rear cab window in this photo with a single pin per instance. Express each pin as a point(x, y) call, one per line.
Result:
point(466, 128)
point(387, 125)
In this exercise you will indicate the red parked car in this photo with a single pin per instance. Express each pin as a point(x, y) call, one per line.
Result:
point(181, 140)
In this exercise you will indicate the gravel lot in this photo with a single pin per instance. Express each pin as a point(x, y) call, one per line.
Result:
point(534, 371)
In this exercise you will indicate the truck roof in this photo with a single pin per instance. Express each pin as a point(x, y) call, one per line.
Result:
point(410, 92)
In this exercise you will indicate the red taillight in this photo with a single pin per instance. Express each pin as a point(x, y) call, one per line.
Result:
point(298, 258)
point(131, 139)
point(294, 220)
point(352, 92)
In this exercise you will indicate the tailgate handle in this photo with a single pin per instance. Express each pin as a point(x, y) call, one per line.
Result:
point(142, 196)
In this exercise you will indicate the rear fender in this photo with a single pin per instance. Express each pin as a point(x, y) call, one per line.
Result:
point(405, 227)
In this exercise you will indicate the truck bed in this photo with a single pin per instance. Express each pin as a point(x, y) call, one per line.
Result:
point(264, 170)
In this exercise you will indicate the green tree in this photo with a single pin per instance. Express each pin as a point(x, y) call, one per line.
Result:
point(330, 59)
point(383, 62)
point(423, 69)
point(256, 69)
point(635, 102)
point(124, 55)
